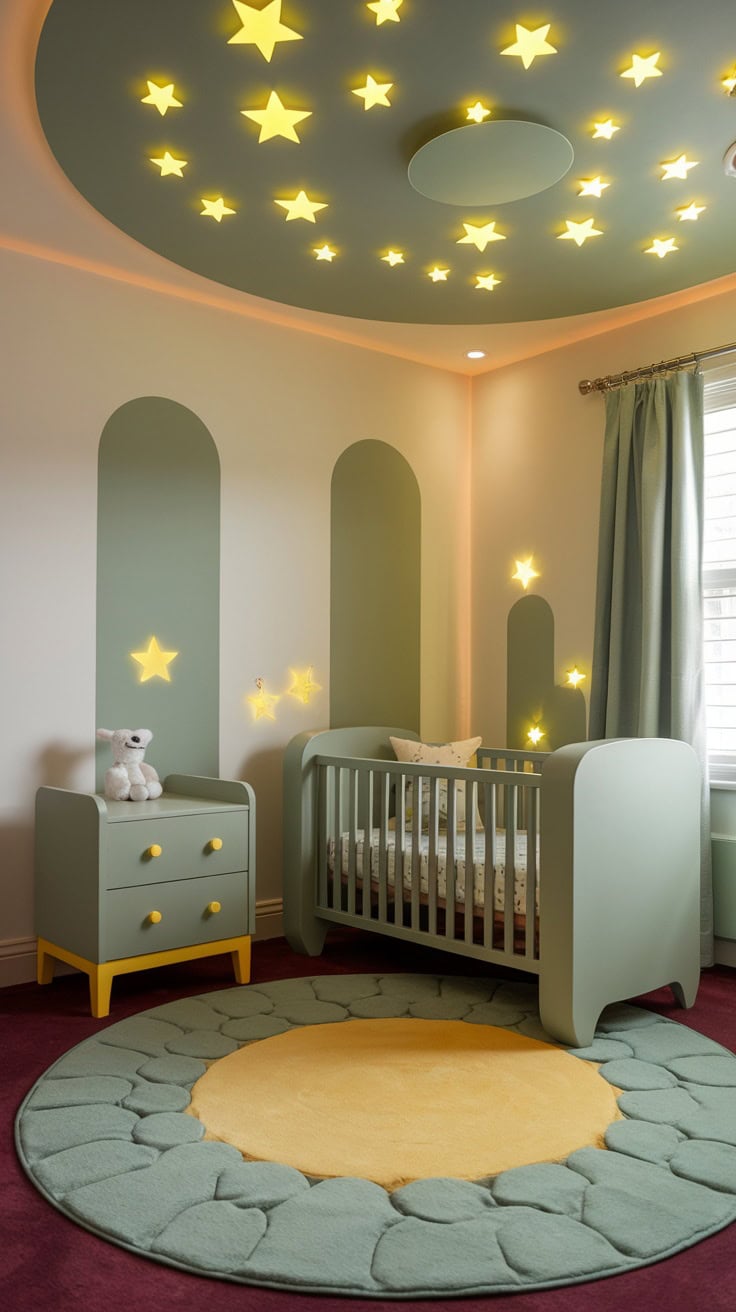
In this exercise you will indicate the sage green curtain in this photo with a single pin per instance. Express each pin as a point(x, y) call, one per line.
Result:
point(647, 678)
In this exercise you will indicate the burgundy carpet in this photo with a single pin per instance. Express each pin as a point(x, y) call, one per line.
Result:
point(50, 1263)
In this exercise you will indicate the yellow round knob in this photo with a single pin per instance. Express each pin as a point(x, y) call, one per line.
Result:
point(154, 850)
point(215, 844)
point(214, 907)
point(154, 917)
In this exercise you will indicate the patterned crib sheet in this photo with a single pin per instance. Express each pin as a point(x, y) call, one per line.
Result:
point(479, 856)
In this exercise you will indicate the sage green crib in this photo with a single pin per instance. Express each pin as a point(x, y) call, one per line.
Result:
point(581, 866)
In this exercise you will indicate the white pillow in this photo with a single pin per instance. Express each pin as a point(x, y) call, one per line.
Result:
point(460, 753)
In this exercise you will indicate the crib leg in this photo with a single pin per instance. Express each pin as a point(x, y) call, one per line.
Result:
point(685, 993)
point(567, 1019)
point(306, 935)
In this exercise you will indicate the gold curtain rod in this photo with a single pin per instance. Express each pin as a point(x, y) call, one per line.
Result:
point(649, 370)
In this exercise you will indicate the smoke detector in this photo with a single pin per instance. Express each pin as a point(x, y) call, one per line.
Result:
point(729, 161)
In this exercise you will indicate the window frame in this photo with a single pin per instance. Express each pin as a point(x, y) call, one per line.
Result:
point(719, 395)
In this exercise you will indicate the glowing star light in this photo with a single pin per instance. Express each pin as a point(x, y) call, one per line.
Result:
point(393, 257)
point(641, 69)
point(325, 253)
point(574, 677)
point(262, 28)
point(485, 282)
point(373, 93)
point(477, 113)
point(386, 11)
point(579, 232)
point(690, 213)
point(661, 247)
point(303, 685)
point(275, 120)
point(301, 207)
point(215, 209)
point(606, 129)
point(154, 661)
point(592, 187)
point(677, 168)
point(263, 702)
point(529, 44)
point(480, 234)
point(525, 572)
point(168, 164)
point(162, 97)
point(535, 734)
point(729, 85)
point(438, 275)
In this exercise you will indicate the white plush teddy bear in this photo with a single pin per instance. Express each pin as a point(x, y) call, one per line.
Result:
point(130, 778)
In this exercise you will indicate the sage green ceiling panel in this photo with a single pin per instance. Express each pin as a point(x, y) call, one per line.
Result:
point(375, 584)
point(158, 577)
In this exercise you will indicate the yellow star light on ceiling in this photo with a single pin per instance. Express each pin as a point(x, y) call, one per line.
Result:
point(535, 734)
point(477, 113)
point(525, 572)
point(574, 677)
point(325, 253)
point(641, 68)
point(393, 257)
point(263, 702)
point(215, 209)
point(592, 187)
point(373, 93)
point(690, 213)
point(662, 247)
point(301, 207)
point(275, 120)
point(677, 168)
point(303, 686)
point(154, 661)
point(485, 282)
point(729, 85)
point(386, 11)
point(528, 45)
point(438, 275)
point(162, 97)
point(480, 234)
point(262, 28)
point(606, 129)
point(579, 232)
point(168, 164)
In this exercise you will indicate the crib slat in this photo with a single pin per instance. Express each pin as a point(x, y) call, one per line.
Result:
point(470, 804)
point(510, 791)
point(416, 849)
point(432, 853)
point(489, 861)
point(337, 823)
point(323, 837)
point(450, 867)
point(532, 872)
point(352, 839)
point(399, 844)
point(365, 823)
point(383, 847)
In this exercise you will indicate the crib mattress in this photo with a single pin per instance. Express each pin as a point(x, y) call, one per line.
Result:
point(479, 865)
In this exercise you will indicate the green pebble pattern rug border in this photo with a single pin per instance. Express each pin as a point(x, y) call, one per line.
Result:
point(104, 1135)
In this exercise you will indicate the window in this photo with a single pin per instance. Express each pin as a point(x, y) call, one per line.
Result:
point(719, 572)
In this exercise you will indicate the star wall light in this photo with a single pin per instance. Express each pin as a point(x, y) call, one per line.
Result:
point(276, 120)
point(729, 84)
point(169, 165)
point(574, 677)
point(593, 187)
point(606, 129)
point(480, 234)
point(643, 68)
point(263, 702)
point(477, 113)
point(393, 258)
point(485, 282)
point(525, 572)
point(530, 44)
point(325, 253)
point(662, 247)
point(301, 207)
point(535, 734)
point(580, 232)
point(438, 275)
point(303, 686)
point(215, 209)
point(162, 97)
point(154, 662)
point(677, 168)
point(373, 93)
point(690, 213)
point(386, 11)
point(262, 28)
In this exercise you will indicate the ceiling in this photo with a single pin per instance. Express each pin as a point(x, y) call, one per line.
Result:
point(278, 177)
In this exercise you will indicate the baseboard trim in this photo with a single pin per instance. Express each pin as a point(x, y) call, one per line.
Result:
point(725, 952)
point(18, 955)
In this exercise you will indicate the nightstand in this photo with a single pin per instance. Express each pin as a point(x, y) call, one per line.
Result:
point(123, 886)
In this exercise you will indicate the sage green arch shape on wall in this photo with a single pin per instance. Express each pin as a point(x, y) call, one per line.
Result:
point(158, 575)
point(375, 586)
point(531, 694)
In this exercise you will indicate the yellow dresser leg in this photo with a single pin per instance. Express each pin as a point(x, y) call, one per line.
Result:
point(44, 963)
point(100, 987)
point(241, 962)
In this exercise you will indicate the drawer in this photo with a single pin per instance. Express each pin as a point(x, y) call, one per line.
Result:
point(185, 843)
point(183, 906)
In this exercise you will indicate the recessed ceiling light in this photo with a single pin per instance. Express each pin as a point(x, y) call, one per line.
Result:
point(475, 355)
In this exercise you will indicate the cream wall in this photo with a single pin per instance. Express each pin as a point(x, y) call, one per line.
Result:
point(281, 406)
point(536, 465)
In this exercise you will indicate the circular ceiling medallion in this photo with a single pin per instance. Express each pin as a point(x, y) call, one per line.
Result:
point(490, 163)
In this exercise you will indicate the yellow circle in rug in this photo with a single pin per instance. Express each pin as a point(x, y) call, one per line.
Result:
point(403, 1099)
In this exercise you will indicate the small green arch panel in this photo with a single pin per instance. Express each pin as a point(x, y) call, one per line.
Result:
point(158, 576)
point(532, 696)
point(375, 588)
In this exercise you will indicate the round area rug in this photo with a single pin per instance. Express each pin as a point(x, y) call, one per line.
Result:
point(209, 1133)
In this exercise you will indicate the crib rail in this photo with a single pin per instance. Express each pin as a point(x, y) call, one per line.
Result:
point(433, 853)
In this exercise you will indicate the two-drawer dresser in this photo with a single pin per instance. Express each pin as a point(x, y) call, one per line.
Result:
point(123, 886)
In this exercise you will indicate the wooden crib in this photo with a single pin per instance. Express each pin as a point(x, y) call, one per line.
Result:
point(581, 866)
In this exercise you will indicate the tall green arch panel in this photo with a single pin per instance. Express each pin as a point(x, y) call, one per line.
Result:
point(531, 694)
point(158, 576)
point(375, 606)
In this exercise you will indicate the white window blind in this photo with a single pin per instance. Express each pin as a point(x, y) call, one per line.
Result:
point(719, 571)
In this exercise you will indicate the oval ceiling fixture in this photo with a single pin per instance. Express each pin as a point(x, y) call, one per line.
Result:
point(490, 163)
